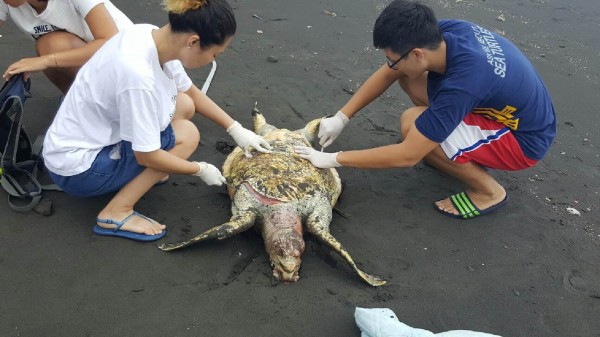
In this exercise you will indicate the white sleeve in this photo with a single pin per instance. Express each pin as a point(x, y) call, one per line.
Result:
point(182, 80)
point(83, 7)
point(3, 11)
point(139, 124)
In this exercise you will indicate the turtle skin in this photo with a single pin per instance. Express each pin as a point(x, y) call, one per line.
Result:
point(280, 194)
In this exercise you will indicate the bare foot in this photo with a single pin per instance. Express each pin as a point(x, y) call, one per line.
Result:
point(481, 201)
point(136, 223)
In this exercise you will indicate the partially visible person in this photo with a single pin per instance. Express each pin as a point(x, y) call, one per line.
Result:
point(66, 33)
point(125, 123)
point(479, 104)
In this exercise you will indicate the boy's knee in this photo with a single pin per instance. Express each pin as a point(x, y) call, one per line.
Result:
point(408, 118)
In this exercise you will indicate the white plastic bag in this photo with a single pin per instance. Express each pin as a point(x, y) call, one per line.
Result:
point(382, 322)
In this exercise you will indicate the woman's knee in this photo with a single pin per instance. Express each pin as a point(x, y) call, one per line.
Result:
point(408, 118)
point(186, 133)
point(57, 42)
point(184, 107)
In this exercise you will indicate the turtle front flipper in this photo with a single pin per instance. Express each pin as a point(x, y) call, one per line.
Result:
point(235, 225)
point(311, 130)
point(318, 225)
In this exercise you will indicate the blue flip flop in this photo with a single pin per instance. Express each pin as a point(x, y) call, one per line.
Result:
point(125, 234)
point(467, 209)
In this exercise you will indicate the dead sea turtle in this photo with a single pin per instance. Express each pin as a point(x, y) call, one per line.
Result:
point(278, 192)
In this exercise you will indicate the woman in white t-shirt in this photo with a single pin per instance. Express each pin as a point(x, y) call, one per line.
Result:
point(67, 33)
point(124, 124)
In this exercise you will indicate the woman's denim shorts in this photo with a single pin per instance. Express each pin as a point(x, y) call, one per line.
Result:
point(113, 168)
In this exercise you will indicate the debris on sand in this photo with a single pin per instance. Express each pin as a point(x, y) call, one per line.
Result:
point(501, 18)
point(573, 211)
point(333, 15)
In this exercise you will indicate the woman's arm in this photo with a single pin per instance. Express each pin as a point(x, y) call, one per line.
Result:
point(102, 27)
point(209, 109)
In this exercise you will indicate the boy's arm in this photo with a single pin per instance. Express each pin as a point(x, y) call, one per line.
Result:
point(406, 154)
point(373, 87)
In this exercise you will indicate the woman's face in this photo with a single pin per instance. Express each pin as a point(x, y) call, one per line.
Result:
point(192, 56)
point(15, 3)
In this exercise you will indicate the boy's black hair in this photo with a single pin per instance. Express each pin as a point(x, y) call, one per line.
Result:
point(406, 24)
point(214, 22)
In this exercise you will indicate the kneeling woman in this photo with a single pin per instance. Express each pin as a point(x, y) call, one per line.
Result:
point(124, 124)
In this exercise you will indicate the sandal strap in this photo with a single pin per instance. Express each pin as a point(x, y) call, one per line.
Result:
point(119, 223)
point(463, 205)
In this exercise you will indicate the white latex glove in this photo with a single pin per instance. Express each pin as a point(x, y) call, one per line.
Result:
point(246, 138)
point(210, 174)
point(331, 127)
point(317, 158)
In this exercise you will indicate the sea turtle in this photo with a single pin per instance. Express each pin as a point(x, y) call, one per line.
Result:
point(278, 192)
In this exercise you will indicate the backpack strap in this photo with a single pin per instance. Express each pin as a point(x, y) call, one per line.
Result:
point(19, 174)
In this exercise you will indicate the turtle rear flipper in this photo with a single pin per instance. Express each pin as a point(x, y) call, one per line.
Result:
point(318, 225)
point(235, 225)
point(261, 127)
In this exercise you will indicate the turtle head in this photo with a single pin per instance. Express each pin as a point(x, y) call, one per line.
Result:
point(285, 253)
point(284, 243)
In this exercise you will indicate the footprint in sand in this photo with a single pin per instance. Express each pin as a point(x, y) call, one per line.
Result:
point(582, 283)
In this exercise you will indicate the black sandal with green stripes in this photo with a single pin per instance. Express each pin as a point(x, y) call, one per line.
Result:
point(467, 209)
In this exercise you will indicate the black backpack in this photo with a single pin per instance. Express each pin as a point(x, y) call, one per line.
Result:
point(19, 158)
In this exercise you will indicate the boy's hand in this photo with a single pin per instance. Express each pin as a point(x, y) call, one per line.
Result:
point(331, 127)
point(318, 159)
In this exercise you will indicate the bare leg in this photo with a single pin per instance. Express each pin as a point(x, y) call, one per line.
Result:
point(483, 189)
point(55, 42)
point(416, 89)
point(184, 109)
point(122, 204)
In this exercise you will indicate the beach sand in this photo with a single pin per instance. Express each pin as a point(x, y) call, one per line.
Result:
point(530, 269)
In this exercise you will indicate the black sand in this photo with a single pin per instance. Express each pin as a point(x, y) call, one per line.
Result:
point(530, 270)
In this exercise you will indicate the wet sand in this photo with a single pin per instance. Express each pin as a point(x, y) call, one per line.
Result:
point(529, 270)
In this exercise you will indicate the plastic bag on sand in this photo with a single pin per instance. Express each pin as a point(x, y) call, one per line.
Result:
point(382, 322)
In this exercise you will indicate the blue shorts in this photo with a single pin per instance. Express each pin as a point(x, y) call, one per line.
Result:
point(113, 168)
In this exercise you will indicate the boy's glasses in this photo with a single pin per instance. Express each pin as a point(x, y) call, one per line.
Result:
point(394, 64)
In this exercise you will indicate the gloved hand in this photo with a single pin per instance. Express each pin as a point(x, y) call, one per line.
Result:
point(331, 127)
point(210, 174)
point(246, 138)
point(317, 158)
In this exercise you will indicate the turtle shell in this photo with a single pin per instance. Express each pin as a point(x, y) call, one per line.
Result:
point(281, 175)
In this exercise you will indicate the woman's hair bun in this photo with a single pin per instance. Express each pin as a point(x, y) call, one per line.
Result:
point(182, 6)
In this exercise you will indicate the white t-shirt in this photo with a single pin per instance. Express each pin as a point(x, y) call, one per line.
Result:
point(121, 93)
point(60, 15)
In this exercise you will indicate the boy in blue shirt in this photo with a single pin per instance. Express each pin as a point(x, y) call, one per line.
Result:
point(479, 103)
